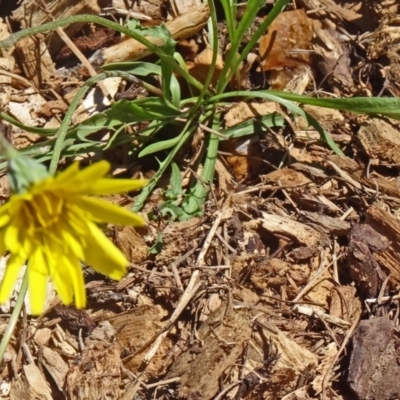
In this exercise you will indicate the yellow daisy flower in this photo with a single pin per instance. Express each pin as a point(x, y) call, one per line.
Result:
point(52, 227)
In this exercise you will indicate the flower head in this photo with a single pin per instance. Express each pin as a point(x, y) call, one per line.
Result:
point(52, 225)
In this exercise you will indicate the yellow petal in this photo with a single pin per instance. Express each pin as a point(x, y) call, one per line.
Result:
point(73, 266)
point(4, 219)
point(14, 264)
point(103, 211)
point(12, 235)
point(62, 284)
point(56, 265)
point(18, 235)
point(91, 173)
point(111, 186)
point(83, 179)
point(37, 281)
point(103, 256)
point(2, 242)
point(68, 174)
point(63, 234)
point(5, 214)
point(76, 218)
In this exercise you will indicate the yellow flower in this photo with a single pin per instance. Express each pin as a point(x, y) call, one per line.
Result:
point(52, 227)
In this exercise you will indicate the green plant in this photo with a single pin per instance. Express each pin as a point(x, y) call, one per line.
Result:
point(182, 116)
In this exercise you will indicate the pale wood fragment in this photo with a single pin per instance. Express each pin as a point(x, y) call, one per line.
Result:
point(134, 329)
point(284, 226)
point(344, 303)
point(388, 226)
point(287, 178)
point(181, 7)
point(374, 182)
point(6, 65)
point(181, 27)
point(381, 141)
point(31, 385)
point(334, 56)
point(42, 336)
point(55, 366)
point(35, 60)
point(242, 111)
point(329, 225)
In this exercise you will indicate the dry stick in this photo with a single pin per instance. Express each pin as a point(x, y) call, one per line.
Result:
point(226, 390)
point(335, 265)
point(342, 347)
point(174, 267)
point(383, 299)
point(209, 238)
point(346, 177)
point(83, 60)
point(163, 383)
point(191, 289)
point(21, 79)
point(225, 243)
point(268, 187)
point(383, 288)
point(28, 353)
point(76, 51)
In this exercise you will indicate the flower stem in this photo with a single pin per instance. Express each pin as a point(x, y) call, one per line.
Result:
point(14, 316)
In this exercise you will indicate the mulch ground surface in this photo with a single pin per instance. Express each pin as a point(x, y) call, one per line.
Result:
point(288, 286)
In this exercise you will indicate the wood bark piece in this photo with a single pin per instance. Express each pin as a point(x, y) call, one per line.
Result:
point(181, 27)
point(329, 225)
point(334, 62)
point(134, 329)
point(31, 385)
point(284, 49)
point(374, 368)
point(55, 366)
point(389, 226)
point(181, 7)
point(375, 181)
point(292, 359)
point(287, 178)
point(97, 374)
point(381, 142)
point(222, 341)
point(331, 8)
point(299, 232)
point(35, 61)
point(242, 111)
point(364, 242)
point(7, 63)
